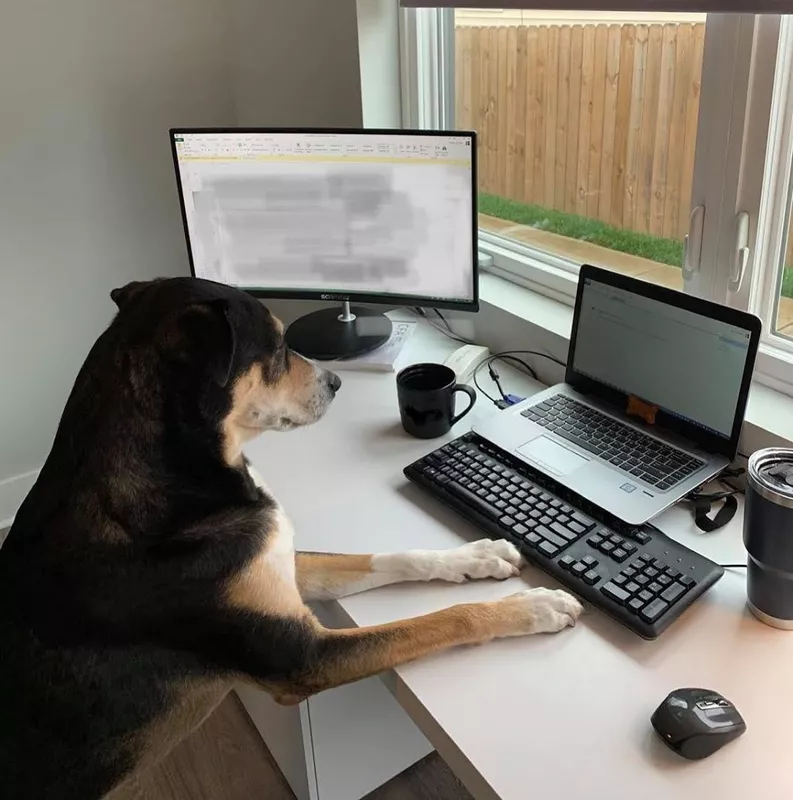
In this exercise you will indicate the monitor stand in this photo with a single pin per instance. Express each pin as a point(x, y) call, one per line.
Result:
point(327, 335)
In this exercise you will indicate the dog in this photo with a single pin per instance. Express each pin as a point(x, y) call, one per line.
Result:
point(150, 567)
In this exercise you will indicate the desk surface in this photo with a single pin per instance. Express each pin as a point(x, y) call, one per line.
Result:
point(559, 716)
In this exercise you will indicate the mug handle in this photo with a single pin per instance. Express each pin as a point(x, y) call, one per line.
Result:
point(471, 394)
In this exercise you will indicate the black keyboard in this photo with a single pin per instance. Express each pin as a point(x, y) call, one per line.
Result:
point(639, 576)
point(642, 456)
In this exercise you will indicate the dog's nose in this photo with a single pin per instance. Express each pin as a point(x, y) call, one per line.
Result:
point(334, 381)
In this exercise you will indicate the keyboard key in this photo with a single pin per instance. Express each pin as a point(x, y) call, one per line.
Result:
point(621, 580)
point(655, 588)
point(664, 580)
point(642, 580)
point(619, 555)
point(565, 562)
point(584, 522)
point(591, 577)
point(629, 572)
point(481, 506)
point(653, 611)
point(590, 561)
point(550, 536)
point(687, 581)
point(635, 605)
point(632, 587)
point(616, 593)
point(641, 537)
point(651, 572)
point(595, 540)
point(673, 593)
point(607, 547)
point(579, 569)
point(615, 540)
point(565, 533)
point(500, 504)
point(532, 539)
point(629, 548)
point(519, 529)
point(548, 548)
point(645, 596)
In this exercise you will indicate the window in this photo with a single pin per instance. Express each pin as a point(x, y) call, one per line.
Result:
point(659, 145)
point(588, 126)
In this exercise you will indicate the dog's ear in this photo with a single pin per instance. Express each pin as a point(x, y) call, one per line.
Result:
point(203, 336)
point(122, 295)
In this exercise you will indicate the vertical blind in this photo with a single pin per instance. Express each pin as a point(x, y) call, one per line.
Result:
point(710, 6)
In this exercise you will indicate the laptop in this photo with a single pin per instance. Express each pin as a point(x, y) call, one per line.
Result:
point(653, 401)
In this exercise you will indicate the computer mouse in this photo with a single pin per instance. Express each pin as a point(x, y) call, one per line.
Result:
point(695, 723)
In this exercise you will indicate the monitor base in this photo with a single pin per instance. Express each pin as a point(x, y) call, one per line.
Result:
point(328, 334)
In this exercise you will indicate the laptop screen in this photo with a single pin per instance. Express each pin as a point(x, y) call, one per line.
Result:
point(691, 365)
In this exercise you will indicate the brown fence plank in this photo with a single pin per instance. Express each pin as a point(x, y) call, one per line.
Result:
point(531, 100)
point(501, 114)
point(649, 131)
point(600, 79)
point(539, 114)
point(562, 111)
point(520, 115)
point(585, 119)
point(630, 219)
point(692, 120)
point(660, 167)
point(677, 134)
point(609, 121)
point(551, 116)
point(512, 64)
point(622, 127)
point(573, 118)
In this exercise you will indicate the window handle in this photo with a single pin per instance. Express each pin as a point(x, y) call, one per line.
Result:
point(742, 252)
point(692, 244)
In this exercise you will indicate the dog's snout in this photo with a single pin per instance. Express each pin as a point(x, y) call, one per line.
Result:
point(334, 382)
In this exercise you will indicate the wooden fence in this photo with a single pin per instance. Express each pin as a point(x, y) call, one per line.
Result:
point(595, 120)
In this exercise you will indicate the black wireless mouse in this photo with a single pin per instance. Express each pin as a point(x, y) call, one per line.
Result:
point(696, 723)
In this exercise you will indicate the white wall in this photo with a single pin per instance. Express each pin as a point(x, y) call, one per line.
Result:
point(88, 89)
point(296, 63)
point(378, 44)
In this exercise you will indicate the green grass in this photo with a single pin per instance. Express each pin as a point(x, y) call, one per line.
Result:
point(665, 251)
point(655, 248)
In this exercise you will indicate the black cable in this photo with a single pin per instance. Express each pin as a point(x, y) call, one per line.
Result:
point(532, 353)
point(480, 389)
point(446, 331)
point(733, 566)
point(496, 378)
point(523, 363)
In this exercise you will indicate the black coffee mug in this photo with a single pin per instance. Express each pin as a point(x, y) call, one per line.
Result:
point(426, 400)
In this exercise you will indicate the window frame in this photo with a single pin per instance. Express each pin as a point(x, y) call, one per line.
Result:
point(733, 164)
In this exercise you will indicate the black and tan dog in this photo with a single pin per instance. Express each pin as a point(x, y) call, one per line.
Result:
point(149, 567)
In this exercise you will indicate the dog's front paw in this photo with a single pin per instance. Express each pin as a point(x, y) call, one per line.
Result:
point(486, 558)
point(537, 611)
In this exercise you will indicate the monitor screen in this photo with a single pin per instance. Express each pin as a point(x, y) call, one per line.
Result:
point(690, 365)
point(351, 214)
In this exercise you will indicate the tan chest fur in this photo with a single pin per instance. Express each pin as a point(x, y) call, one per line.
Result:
point(268, 584)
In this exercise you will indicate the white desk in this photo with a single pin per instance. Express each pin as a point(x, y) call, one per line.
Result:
point(549, 717)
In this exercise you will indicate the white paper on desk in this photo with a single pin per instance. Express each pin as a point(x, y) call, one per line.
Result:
point(384, 358)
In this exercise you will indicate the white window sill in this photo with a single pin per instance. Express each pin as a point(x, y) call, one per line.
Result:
point(516, 317)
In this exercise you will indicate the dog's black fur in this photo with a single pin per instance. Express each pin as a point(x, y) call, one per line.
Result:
point(112, 577)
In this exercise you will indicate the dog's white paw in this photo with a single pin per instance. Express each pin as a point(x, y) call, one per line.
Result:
point(538, 611)
point(486, 558)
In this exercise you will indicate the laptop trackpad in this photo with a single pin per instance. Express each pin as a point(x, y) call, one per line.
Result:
point(555, 458)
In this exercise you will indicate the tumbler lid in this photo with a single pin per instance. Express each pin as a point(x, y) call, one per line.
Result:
point(770, 474)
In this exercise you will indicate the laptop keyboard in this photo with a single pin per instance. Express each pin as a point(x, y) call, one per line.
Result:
point(632, 451)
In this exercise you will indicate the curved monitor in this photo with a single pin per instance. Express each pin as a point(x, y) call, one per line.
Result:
point(368, 215)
